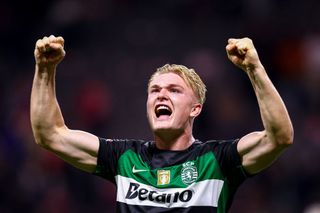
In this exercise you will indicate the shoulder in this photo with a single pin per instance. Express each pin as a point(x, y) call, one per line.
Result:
point(224, 151)
point(125, 144)
point(215, 144)
point(228, 158)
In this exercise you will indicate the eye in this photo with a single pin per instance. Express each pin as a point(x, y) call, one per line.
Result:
point(154, 90)
point(175, 90)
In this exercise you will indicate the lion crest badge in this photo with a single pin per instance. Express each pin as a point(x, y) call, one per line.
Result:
point(189, 173)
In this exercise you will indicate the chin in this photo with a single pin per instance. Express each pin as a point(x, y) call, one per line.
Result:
point(158, 124)
point(166, 130)
point(162, 129)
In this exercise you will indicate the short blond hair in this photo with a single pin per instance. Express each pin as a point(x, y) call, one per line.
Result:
point(190, 76)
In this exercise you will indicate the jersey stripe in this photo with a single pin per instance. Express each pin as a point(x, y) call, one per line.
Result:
point(130, 161)
point(203, 193)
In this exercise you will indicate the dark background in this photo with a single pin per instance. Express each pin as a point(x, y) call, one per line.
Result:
point(112, 49)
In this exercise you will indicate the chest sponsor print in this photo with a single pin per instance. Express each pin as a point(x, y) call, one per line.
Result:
point(131, 192)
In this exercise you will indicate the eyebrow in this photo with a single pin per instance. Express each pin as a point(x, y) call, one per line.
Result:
point(168, 86)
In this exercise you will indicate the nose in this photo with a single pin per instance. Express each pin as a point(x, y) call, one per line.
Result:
point(163, 94)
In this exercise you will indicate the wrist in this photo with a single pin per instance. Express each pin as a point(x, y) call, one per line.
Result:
point(255, 68)
point(44, 67)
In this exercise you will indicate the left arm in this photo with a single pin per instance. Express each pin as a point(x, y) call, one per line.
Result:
point(259, 149)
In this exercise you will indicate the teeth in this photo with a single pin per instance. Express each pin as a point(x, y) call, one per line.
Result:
point(163, 107)
point(162, 110)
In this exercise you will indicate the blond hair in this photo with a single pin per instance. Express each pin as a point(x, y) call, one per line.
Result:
point(191, 78)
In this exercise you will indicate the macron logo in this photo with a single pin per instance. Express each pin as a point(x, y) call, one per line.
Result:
point(134, 170)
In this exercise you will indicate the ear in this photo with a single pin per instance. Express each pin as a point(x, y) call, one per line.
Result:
point(196, 109)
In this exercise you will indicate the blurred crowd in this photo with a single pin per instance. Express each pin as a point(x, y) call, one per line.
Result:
point(112, 49)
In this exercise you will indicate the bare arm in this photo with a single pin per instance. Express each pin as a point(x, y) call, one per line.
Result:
point(259, 149)
point(76, 147)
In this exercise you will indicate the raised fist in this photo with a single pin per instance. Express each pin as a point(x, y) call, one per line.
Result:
point(242, 53)
point(49, 51)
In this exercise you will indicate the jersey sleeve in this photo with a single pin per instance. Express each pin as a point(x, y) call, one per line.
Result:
point(230, 161)
point(109, 153)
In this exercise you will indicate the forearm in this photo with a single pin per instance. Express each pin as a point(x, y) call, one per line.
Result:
point(275, 118)
point(45, 112)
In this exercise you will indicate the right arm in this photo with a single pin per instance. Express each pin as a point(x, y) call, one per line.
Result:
point(78, 148)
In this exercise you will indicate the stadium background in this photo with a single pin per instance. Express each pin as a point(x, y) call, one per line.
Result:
point(113, 47)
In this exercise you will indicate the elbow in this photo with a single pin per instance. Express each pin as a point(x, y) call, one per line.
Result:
point(44, 137)
point(38, 135)
point(41, 140)
point(286, 141)
point(289, 136)
point(285, 138)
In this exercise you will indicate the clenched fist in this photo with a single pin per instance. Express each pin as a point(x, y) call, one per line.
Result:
point(49, 51)
point(243, 54)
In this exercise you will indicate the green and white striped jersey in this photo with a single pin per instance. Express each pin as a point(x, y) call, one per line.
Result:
point(202, 178)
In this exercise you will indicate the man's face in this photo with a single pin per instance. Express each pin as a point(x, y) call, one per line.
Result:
point(171, 103)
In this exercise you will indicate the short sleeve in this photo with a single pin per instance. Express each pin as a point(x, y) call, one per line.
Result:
point(230, 161)
point(108, 155)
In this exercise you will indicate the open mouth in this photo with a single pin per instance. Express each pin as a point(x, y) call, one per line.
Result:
point(162, 110)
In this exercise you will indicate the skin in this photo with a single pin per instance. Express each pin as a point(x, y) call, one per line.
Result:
point(172, 132)
point(75, 147)
point(257, 149)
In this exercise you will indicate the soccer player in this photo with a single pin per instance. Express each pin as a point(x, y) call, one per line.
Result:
point(175, 172)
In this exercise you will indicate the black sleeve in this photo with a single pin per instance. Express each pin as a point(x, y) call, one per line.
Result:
point(108, 155)
point(230, 161)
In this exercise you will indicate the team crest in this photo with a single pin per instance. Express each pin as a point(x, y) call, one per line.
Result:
point(189, 173)
point(163, 177)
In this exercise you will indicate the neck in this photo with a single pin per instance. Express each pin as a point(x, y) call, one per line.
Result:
point(173, 140)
